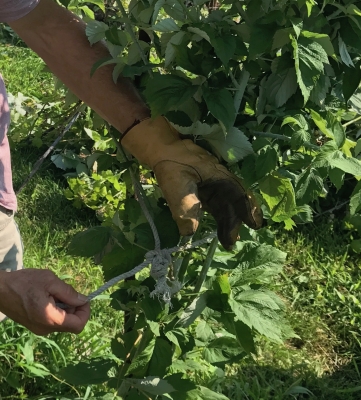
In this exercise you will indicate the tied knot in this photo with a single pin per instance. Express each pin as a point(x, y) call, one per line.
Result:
point(160, 261)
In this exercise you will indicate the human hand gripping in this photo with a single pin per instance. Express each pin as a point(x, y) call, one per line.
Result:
point(193, 180)
point(28, 297)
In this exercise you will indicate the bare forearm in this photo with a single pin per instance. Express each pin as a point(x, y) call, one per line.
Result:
point(58, 37)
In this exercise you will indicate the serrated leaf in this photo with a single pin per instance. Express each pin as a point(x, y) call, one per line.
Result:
point(95, 372)
point(257, 264)
point(222, 350)
point(224, 46)
point(122, 259)
point(281, 86)
point(299, 138)
point(232, 147)
point(344, 54)
point(245, 336)
point(204, 332)
point(139, 365)
point(166, 25)
point(90, 242)
point(152, 385)
point(266, 161)
point(350, 165)
point(309, 58)
point(355, 201)
point(161, 358)
point(337, 177)
point(351, 81)
point(321, 38)
point(176, 39)
point(95, 31)
point(200, 33)
point(279, 195)
point(193, 311)
point(220, 104)
point(330, 126)
point(309, 185)
point(167, 92)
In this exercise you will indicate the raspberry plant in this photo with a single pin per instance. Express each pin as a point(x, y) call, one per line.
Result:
point(271, 88)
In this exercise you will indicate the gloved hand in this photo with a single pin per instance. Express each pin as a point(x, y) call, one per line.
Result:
point(191, 180)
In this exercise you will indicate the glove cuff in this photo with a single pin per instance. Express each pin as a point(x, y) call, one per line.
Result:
point(148, 140)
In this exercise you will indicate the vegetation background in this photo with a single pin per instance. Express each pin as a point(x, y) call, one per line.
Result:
point(320, 282)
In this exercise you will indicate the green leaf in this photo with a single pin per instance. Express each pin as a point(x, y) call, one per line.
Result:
point(92, 373)
point(161, 358)
point(167, 92)
point(170, 50)
point(139, 364)
point(351, 80)
point(90, 242)
point(201, 393)
point(330, 126)
point(245, 337)
point(355, 201)
point(281, 86)
point(309, 185)
point(309, 58)
point(122, 259)
point(344, 54)
point(193, 311)
point(166, 25)
point(222, 350)
point(199, 32)
point(279, 195)
point(232, 147)
point(350, 165)
point(152, 385)
point(266, 161)
point(299, 138)
point(337, 177)
point(204, 332)
point(95, 31)
point(224, 46)
point(267, 322)
point(220, 104)
point(257, 264)
point(321, 38)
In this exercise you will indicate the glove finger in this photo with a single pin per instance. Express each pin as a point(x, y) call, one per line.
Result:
point(179, 187)
point(230, 204)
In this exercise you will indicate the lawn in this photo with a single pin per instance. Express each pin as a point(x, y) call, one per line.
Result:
point(320, 285)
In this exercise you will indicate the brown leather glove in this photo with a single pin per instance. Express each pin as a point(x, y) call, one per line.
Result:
point(191, 180)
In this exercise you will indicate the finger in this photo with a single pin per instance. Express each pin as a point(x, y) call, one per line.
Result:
point(66, 293)
point(230, 205)
point(75, 323)
point(179, 186)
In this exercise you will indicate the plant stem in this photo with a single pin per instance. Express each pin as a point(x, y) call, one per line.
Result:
point(184, 266)
point(285, 138)
point(206, 265)
point(242, 83)
point(352, 121)
point(38, 164)
point(129, 28)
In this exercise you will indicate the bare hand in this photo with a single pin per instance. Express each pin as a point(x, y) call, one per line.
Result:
point(28, 297)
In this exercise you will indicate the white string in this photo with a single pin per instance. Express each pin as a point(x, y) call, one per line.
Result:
point(159, 259)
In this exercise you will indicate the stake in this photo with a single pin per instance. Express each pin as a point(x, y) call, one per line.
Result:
point(206, 265)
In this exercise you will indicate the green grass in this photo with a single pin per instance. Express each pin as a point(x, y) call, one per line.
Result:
point(320, 285)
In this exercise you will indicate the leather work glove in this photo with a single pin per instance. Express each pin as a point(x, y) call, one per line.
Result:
point(191, 180)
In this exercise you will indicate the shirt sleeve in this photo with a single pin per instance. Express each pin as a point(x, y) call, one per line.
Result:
point(11, 10)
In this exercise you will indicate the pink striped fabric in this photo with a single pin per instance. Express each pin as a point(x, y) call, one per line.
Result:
point(7, 195)
point(11, 10)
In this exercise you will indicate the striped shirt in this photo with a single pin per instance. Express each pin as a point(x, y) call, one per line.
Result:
point(10, 10)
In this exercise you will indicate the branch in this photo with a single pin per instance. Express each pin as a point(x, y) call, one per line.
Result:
point(51, 148)
point(206, 265)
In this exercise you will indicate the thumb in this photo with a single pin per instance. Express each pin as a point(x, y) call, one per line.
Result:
point(179, 186)
point(66, 293)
